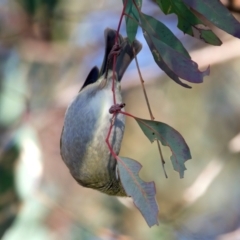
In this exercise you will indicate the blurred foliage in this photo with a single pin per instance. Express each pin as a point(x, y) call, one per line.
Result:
point(43, 19)
point(10, 201)
point(34, 6)
point(46, 48)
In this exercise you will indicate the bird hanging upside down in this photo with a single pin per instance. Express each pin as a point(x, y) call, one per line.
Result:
point(88, 119)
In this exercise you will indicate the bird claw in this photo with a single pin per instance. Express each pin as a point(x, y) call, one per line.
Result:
point(115, 51)
point(116, 108)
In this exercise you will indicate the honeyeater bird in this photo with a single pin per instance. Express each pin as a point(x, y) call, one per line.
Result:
point(88, 119)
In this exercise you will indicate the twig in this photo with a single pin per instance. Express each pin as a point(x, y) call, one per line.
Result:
point(139, 24)
point(108, 136)
point(150, 111)
point(115, 56)
point(162, 159)
point(143, 87)
point(113, 84)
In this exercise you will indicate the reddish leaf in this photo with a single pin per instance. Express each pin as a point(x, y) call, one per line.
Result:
point(157, 29)
point(160, 31)
point(174, 63)
point(143, 193)
point(162, 64)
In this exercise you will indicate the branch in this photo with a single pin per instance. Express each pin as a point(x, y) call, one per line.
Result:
point(150, 111)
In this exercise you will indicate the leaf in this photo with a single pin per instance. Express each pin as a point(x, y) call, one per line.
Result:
point(165, 6)
point(162, 33)
point(168, 136)
point(176, 64)
point(162, 64)
point(188, 22)
point(143, 193)
point(216, 13)
point(132, 11)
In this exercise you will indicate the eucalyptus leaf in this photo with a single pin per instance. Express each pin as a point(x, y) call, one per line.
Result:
point(143, 193)
point(162, 33)
point(216, 13)
point(178, 63)
point(188, 22)
point(159, 61)
point(170, 137)
point(132, 17)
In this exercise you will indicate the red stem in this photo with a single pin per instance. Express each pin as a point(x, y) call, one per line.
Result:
point(114, 57)
point(113, 83)
point(127, 114)
point(120, 20)
point(110, 130)
point(108, 135)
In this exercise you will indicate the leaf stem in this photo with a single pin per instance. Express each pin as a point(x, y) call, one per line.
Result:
point(139, 24)
point(113, 84)
point(115, 56)
point(108, 136)
point(162, 159)
point(149, 110)
point(136, 6)
point(143, 87)
point(120, 20)
point(127, 114)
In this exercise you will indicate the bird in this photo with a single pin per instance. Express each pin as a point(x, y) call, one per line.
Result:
point(88, 118)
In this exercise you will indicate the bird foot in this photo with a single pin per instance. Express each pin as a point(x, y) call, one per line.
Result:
point(116, 108)
point(115, 51)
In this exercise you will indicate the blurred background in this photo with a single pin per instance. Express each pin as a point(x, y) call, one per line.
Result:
point(47, 48)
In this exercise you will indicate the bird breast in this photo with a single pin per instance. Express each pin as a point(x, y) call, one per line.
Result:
point(86, 126)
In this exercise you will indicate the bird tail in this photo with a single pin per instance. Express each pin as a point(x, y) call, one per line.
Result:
point(126, 53)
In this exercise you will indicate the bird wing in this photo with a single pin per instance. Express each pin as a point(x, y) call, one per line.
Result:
point(91, 78)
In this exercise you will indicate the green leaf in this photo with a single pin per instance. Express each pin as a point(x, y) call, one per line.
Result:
point(176, 64)
point(157, 29)
point(8, 158)
point(216, 13)
point(168, 136)
point(132, 11)
point(188, 22)
point(143, 193)
point(165, 6)
point(10, 200)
